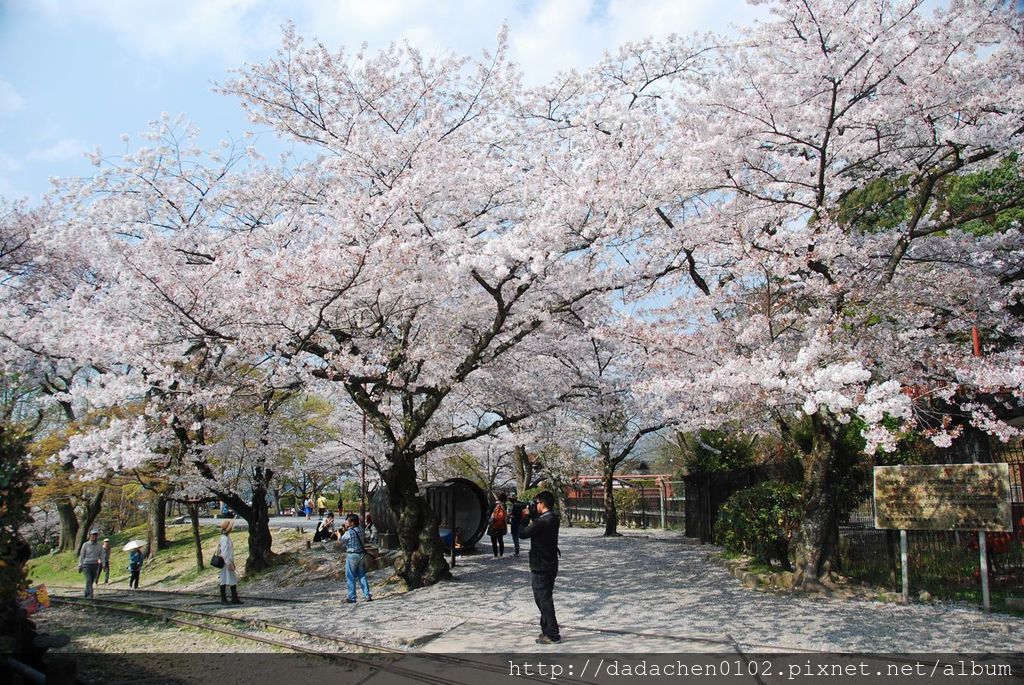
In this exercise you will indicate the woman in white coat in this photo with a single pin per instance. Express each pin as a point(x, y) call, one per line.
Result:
point(228, 577)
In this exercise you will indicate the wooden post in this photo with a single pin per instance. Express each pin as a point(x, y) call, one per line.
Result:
point(661, 503)
point(983, 550)
point(906, 571)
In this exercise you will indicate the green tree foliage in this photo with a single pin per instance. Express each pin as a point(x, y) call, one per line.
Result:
point(760, 521)
point(627, 500)
point(716, 451)
point(15, 483)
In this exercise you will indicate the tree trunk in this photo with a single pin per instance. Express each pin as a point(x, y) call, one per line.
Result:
point(813, 547)
point(563, 506)
point(422, 561)
point(611, 515)
point(92, 512)
point(257, 516)
point(68, 526)
point(156, 532)
point(523, 468)
point(193, 513)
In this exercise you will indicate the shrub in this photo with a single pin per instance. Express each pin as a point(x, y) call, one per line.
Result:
point(627, 500)
point(760, 521)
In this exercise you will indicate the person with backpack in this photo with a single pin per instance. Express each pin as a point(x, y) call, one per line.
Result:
point(355, 559)
point(498, 525)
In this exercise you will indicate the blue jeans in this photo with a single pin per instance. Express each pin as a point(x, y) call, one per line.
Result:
point(355, 569)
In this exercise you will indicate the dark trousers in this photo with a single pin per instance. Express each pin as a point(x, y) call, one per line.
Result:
point(134, 580)
point(515, 537)
point(498, 544)
point(92, 574)
point(543, 590)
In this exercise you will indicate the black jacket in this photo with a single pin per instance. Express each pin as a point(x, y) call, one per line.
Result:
point(544, 543)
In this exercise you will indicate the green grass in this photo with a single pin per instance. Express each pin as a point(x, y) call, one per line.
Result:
point(175, 566)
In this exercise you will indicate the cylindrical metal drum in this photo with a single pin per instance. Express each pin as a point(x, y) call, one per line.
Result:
point(465, 497)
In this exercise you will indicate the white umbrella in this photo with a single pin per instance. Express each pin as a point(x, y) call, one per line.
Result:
point(134, 544)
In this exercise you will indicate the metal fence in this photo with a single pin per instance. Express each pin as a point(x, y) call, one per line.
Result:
point(657, 507)
point(942, 563)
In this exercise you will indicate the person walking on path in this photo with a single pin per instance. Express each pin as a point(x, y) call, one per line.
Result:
point(106, 560)
point(498, 525)
point(228, 577)
point(321, 505)
point(516, 509)
point(355, 559)
point(134, 567)
point(90, 560)
point(307, 508)
point(543, 532)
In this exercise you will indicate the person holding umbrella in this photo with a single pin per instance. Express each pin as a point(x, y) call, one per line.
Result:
point(134, 549)
point(90, 560)
point(228, 577)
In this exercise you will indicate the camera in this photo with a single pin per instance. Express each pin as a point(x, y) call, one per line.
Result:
point(533, 510)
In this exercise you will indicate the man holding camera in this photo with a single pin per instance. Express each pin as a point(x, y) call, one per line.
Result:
point(543, 532)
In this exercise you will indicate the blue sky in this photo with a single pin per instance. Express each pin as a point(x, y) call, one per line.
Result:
point(76, 74)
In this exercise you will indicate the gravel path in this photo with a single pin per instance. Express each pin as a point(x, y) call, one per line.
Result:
point(608, 589)
point(657, 584)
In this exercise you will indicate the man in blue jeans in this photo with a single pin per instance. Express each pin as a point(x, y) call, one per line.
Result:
point(355, 559)
point(543, 531)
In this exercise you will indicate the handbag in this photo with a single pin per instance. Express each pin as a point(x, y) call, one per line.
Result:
point(217, 561)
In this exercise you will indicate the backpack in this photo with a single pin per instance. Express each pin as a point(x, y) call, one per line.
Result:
point(498, 519)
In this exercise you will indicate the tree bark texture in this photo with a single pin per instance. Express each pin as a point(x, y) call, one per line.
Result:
point(611, 514)
point(814, 543)
point(422, 561)
point(523, 468)
point(68, 526)
point(93, 505)
point(156, 532)
point(260, 540)
point(193, 514)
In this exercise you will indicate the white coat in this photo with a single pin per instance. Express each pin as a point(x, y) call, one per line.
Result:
point(227, 550)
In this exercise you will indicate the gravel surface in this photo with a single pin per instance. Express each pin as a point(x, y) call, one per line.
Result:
point(657, 583)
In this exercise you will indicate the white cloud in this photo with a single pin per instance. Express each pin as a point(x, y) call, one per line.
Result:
point(10, 101)
point(8, 164)
point(547, 36)
point(66, 148)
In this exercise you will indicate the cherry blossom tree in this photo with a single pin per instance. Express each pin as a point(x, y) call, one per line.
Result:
point(473, 257)
point(829, 275)
point(611, 419)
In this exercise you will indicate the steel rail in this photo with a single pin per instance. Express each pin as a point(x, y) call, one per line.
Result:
point(115, 606)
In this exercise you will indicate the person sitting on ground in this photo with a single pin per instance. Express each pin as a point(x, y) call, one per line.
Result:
point(324, 529)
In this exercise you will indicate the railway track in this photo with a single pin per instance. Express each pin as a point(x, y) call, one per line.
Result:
point(243, 627)
point(174, 594)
